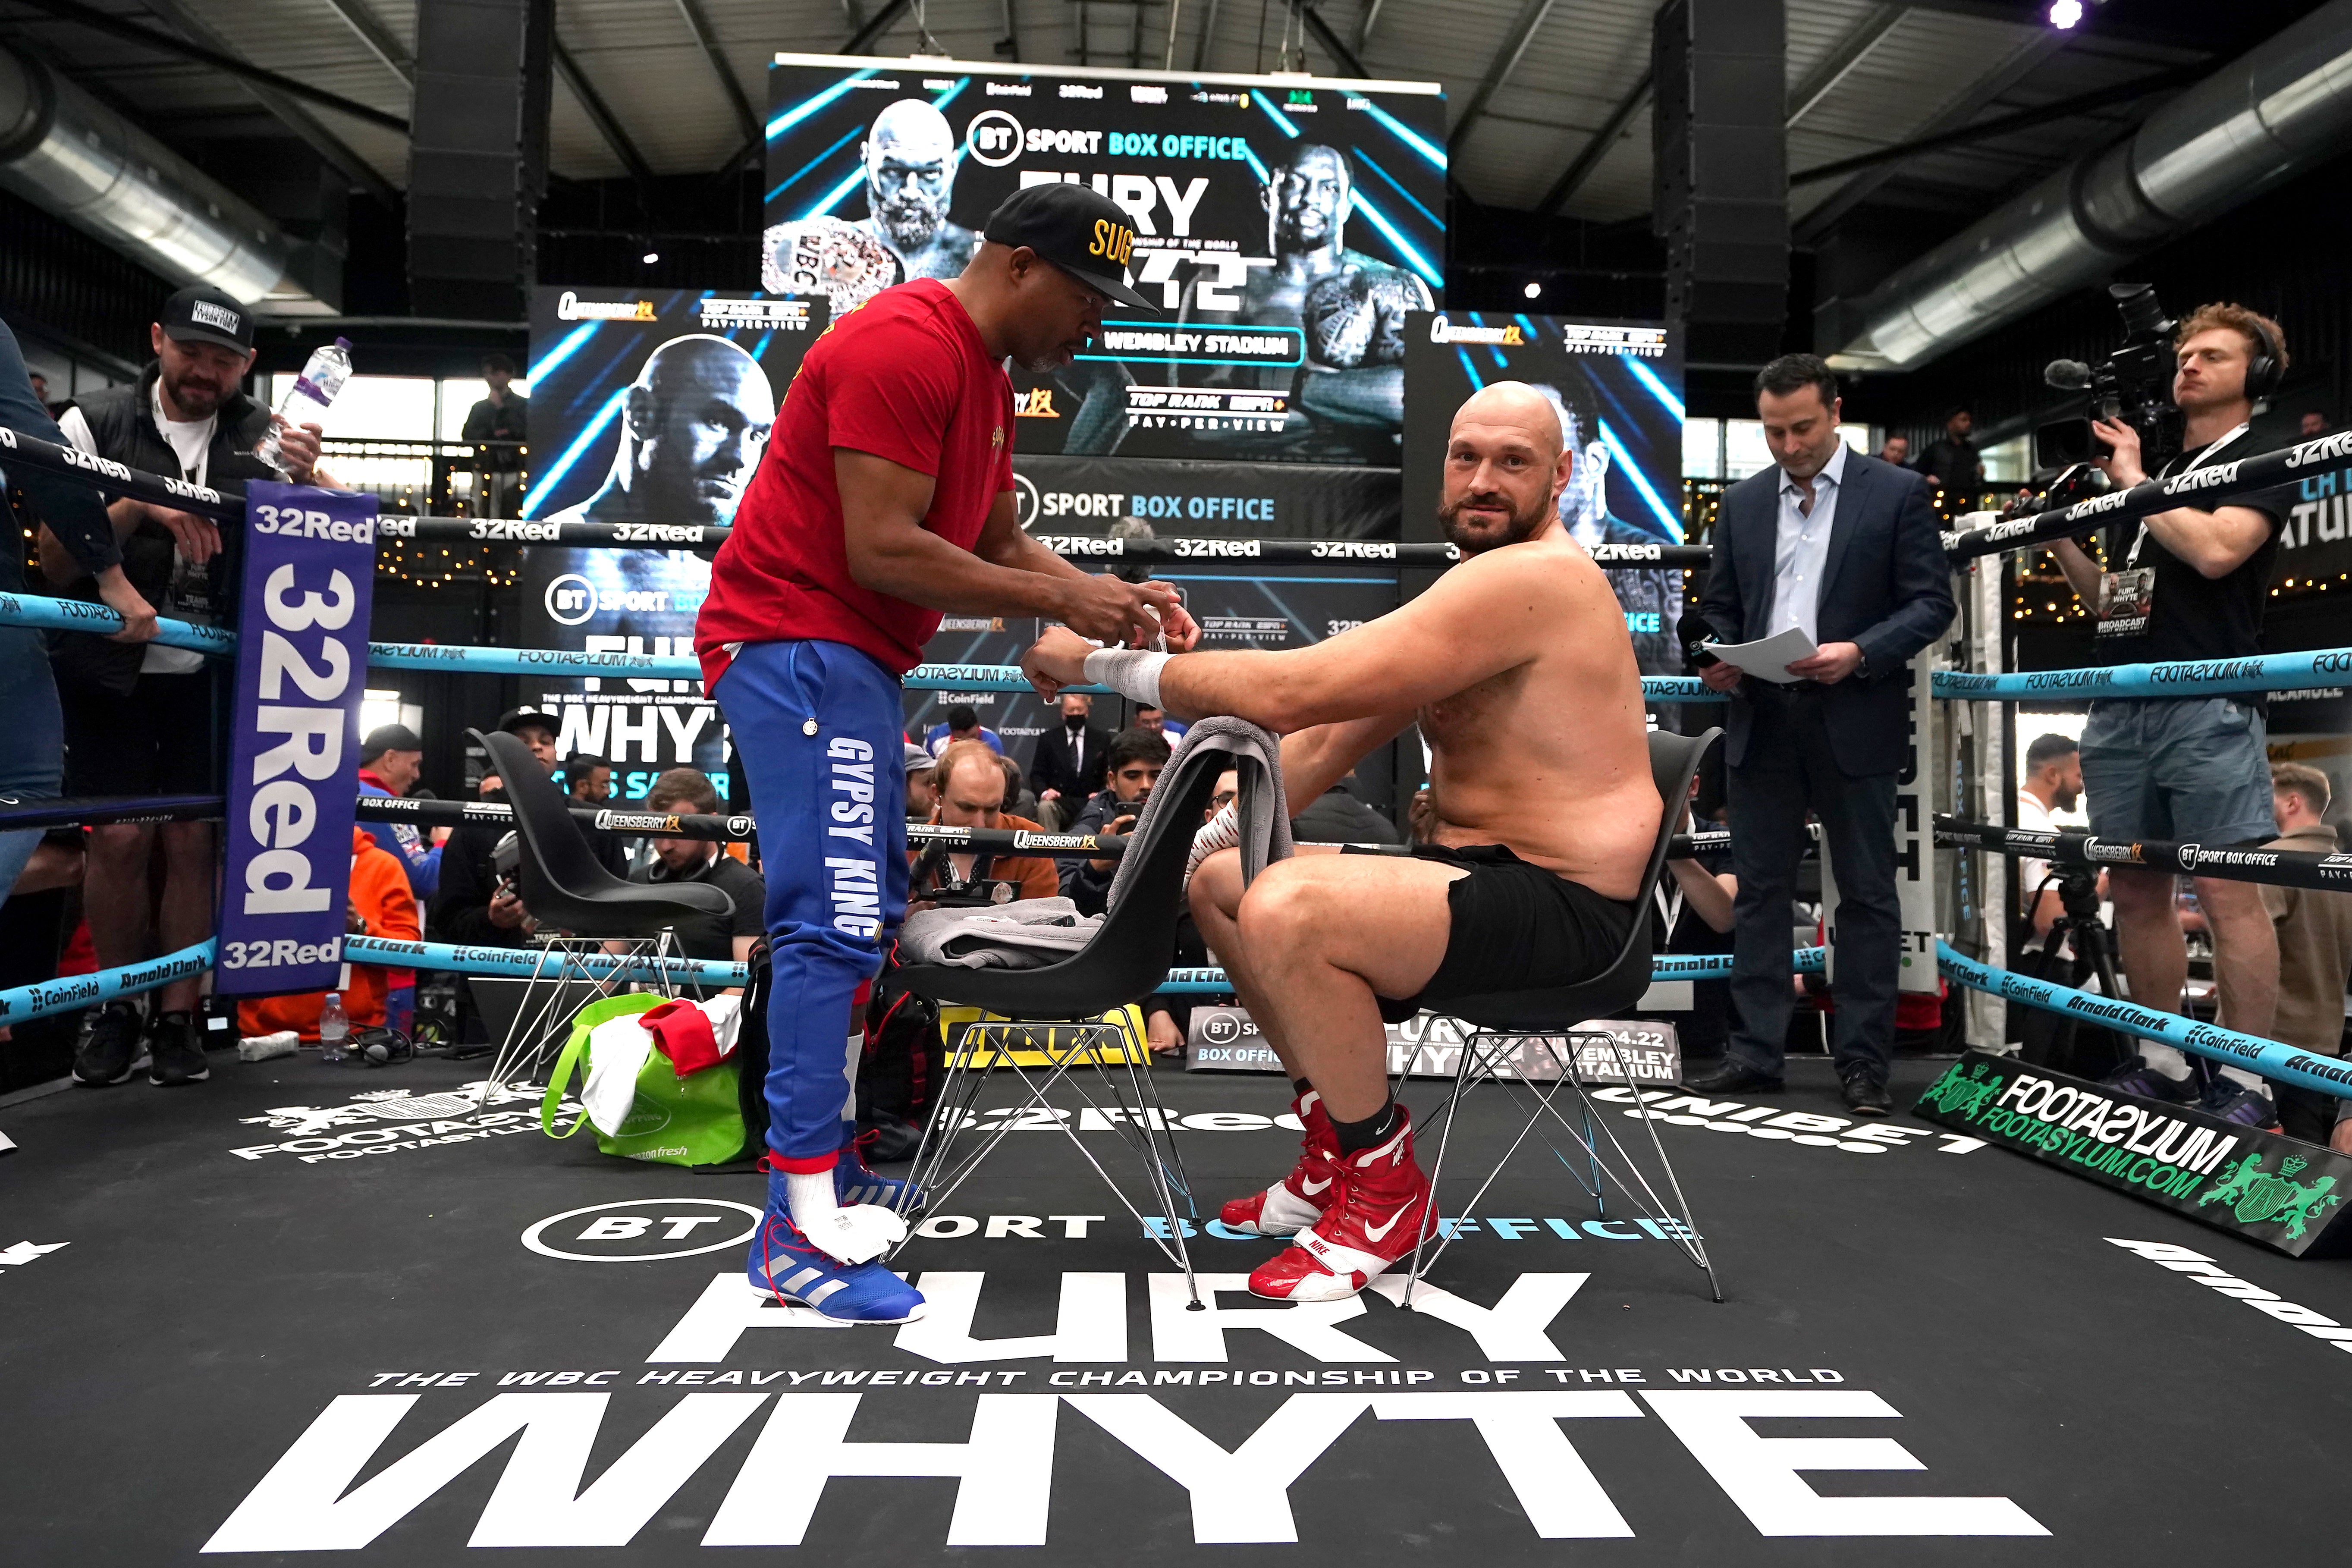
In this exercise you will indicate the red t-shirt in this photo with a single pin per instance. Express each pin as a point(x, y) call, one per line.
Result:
point(904, 377)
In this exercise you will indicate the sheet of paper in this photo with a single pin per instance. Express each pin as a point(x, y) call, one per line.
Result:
point(1768, 659)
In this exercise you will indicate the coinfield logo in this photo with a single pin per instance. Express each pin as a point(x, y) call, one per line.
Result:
point(994, 136)
point(643, 1230)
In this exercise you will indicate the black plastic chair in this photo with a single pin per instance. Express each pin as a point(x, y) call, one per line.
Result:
point(1554, 1013)
point(567, 888)
point(561, 882)
point(1125, 961)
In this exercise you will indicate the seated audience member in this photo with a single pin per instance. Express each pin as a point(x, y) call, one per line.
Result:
point(588, 780)
point(922, 783)
point(1168, 1020)
point(1336, 816)
point(391, 757)
point(1066, 765)
point(1134, 760)
point(1157, 720)
point(962, 724)
point(474, 906)
point(972, 784)
point(1694, 914)
point(726, 939)
point(1019, 798)
point(2315, 941)
point(380, 905)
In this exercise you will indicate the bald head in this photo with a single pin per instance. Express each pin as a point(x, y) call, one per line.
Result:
point(910, 167)
point(1514, 407)
point(698, 419)
point(1505, 466)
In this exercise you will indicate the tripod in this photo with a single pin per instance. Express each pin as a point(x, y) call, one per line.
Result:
point(2049, 1038)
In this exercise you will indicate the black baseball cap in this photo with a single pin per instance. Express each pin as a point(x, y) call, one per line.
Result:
point(389, 737)
point(204, 315)
point(515, 719)
point(1078, 229)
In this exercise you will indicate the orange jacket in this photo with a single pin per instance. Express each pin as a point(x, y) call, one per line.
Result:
point(1036, 874)
point(380, 892)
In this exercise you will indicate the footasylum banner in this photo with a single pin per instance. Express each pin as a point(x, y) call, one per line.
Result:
point(302, 668)
point(2283, 1192)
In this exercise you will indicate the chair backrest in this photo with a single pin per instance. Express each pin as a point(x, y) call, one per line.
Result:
point(561, 882)
point(1673, 762)
point(1128, 954)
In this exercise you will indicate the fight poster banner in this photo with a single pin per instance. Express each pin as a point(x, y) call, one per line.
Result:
point(1285, 226)
point(302, 668)
point(1618, 387)
point(655, 407)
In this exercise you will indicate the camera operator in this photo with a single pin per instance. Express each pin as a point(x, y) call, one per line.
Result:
point(1134, 760)
point(2189, 583)
point(973, 783)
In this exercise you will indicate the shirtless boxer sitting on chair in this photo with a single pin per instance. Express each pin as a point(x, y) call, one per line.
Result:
point(1520, 672)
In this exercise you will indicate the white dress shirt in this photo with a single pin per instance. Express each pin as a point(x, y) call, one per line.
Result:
point(1800, 549)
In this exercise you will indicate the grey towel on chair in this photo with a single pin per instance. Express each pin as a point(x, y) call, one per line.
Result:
point(1255, 756)
point(1029, 933)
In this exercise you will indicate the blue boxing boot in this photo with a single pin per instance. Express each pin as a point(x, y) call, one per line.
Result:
point(852, 1288)
point(854, 1184)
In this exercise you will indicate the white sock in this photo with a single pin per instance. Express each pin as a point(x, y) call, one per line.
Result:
point(2167, 1061)
point(812, 1201)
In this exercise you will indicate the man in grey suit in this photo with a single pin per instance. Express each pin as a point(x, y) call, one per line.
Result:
point(1844, 548)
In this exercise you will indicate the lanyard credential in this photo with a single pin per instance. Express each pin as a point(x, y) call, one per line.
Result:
point(2132, 559)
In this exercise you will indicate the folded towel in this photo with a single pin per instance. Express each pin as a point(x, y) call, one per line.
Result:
point(1028, 934)
point(1254, 754)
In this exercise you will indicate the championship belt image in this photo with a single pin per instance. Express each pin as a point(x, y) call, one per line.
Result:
point(825, 254)
point(1356, 317)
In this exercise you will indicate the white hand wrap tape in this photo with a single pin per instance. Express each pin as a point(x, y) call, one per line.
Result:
point(1132, 673)
point(1222, 832)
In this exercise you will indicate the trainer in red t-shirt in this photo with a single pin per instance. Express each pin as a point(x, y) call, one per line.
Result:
point(904, 377)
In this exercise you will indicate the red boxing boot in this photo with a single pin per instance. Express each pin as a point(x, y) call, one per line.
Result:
point(1382, 1204)
point(1299, 1199)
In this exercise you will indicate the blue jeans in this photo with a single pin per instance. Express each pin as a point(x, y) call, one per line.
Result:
point(820, 729)
point(33, 760)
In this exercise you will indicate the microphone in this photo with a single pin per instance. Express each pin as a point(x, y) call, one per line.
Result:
point(2070, 375)
point(1692, 631)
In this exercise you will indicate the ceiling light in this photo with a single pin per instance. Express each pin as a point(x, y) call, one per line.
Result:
point(2064, 14)
point(650, 257)
point(1534, 290)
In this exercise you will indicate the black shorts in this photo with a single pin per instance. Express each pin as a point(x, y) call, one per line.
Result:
point(1516, 927)
point(156, 741)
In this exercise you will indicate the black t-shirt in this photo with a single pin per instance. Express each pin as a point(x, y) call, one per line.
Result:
point(2192, 616)
point(713, 936)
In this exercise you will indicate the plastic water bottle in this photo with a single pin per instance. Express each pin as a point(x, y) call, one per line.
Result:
point(334, 1029)
point(321, 381)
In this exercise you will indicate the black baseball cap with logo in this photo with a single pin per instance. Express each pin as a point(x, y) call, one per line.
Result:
point(1080, 230)
point(204, 315)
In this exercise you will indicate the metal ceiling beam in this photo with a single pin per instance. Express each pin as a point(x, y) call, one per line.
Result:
point(1515, 44)
point(867, 31)
point(227, 64)
point(2021, 62)
point(377, 38)
point(1364, 26)
point(1851, 52)
point(2003, 125)
point(1605, 138)
point(601, 115)
point(698, 23)
point(1330, 41)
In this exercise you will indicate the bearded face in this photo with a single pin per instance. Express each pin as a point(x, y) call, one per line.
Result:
point(1479, 521)
point(911, 200)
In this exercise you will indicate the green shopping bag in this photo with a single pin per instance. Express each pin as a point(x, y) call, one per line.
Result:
point(691, 1121)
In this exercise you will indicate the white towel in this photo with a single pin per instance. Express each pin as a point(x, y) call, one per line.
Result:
point(617, 1049)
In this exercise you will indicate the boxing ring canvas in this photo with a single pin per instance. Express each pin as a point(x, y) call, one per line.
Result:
point(391, 1324)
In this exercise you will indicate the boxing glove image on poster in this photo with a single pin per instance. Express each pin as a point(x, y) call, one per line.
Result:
point(1286, 225)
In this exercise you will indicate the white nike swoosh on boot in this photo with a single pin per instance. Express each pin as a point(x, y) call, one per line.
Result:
point(1311, 1188)
point(1381, 1232)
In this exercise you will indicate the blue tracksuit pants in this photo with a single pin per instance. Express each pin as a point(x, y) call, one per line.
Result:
point(820, 729)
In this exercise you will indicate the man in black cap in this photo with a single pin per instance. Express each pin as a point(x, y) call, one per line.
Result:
point(885, 498)
point(140, 719)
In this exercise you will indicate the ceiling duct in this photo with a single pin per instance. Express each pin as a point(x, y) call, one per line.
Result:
point(2274, 112)
point(69, 154)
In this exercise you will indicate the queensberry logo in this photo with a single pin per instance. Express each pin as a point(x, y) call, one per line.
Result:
point(1445, 330)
